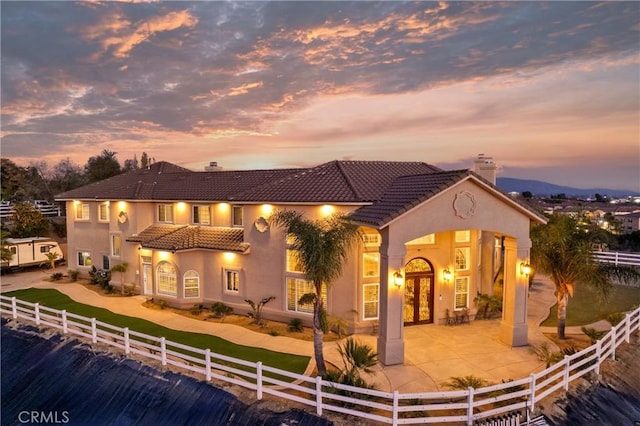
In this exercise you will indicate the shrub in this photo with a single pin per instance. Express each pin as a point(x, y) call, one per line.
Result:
point(196, 310)
point(594, 335)
point(295, 324)
point(220, 310)
point(465, 382)
point(162, 304)
point(73, 274)
point(274, 333)
point(256, 309)
point(615, 318)
point(547, 355)
point(56, 276)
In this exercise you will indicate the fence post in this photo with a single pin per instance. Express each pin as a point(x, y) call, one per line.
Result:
point(627, 328)
point(94, 331)
point(259, 380)
point(14, 308)
point(565, 379)
point(37, 313)
point(207, 364)
point(127, 342)
point(319, 395)
point(617, 254)
point(396, 401)
point(65, 325)
point(532, 387)
point(163, 351)
point(470, 407)
point(599, 355)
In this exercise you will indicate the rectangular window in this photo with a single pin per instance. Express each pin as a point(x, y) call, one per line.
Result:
point(370, 265)
point(427, 239)
point(191, 285)
point(14, 250)
point(167, 283)
point(115, 245)
point(82, 211)
point(84, 258)
point(293, 261)
point(202, 215)
point(236, 216)
point(106, 264)
point(463, 236)
point(296, 288)
point(165, 213)
point(462, 258)
point(462, 293)
point(103, 212)
point(45, 249)
point(370, 301)
point(232, 280)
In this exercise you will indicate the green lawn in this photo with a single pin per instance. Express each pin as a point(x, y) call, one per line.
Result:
point(57, 300)
point(587, 305)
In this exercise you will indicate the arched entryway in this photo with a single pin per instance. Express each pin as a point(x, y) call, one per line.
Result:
point(418, 292)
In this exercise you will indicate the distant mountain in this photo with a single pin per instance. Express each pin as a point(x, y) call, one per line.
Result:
point(539, 188)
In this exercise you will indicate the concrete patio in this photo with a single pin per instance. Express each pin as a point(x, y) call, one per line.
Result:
point(433, 353)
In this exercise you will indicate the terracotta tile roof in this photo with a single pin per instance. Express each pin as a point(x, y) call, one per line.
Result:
point(404, 193)
point(167, 182)
point(186, 237)
point(334, 182)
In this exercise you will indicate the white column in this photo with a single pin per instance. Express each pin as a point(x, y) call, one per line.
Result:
point(513, 327)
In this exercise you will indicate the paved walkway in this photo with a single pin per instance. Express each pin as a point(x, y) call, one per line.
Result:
point(433, 353)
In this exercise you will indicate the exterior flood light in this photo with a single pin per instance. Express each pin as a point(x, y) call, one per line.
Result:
point(525, 269)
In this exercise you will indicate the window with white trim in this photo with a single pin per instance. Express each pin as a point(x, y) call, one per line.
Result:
point(82, 211)
point(202, 215)
point(115, 245)
point(167, 281)
point(370, 301)
point(232, 281)
point(103, 212)
point(462, 292)
point(165, 213)
point(298, 287)
point(191, 281)
point(236, 216)
point(370, 265)
point(84, 258)
point(462, 258)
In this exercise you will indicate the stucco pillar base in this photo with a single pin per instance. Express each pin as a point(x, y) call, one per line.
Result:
point(513, 335)
point(390, 352)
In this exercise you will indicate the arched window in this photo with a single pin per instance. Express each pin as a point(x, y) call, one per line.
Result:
point(417, 265)
point(191, 284)
point(167, 281)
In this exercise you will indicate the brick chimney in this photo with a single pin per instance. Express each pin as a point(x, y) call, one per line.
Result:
point(485, 167)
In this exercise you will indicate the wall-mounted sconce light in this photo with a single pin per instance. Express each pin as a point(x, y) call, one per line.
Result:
point(398, 279)
point(139, 247)
point(447, 275)
point(173, 249)
point(525, 269)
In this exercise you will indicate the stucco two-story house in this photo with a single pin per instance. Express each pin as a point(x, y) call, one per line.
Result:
point(432, 240)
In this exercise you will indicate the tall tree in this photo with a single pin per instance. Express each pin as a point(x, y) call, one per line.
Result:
point(27, 221)
point(102, 166)
point(21, 183)
point(564, 250)
point(5, 253)
point(321, 247)
point(65, 176)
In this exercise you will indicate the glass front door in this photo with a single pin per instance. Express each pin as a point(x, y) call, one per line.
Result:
point(418, 299)
point(147, 277)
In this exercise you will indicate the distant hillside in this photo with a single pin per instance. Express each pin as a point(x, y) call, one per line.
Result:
point(539, 188)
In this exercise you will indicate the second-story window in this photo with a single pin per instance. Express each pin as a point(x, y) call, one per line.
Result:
point(165, 213)
point(202, 215)
point(103, 212)
point(82, 211)
point(236, 216)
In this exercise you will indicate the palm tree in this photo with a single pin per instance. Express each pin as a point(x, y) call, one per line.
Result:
point(121, 268)
point(322, 248)
point(563, 250)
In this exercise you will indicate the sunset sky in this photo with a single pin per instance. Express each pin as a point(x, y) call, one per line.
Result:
point(550, 90)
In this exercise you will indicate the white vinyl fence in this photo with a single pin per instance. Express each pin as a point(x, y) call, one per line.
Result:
point(461, 406)
point(618, 258)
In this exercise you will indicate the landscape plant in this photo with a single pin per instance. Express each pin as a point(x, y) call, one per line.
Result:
point(321, 247)
point(563, 249)
point(220, 310)
point(256, 309)
point(73, 274)
point(465, 382)
point(295, 325)
point(121, 268)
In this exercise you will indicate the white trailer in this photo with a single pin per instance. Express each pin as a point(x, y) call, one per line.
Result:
point(31, 251)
